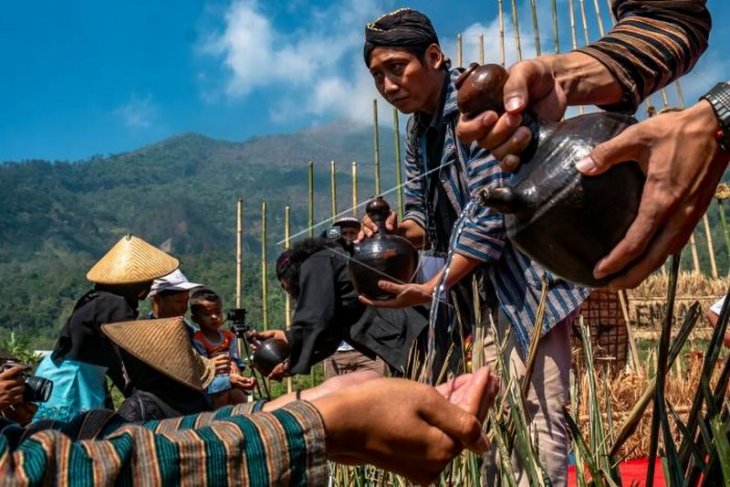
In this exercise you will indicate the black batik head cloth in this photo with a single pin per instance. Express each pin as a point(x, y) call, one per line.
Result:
point(404, 27)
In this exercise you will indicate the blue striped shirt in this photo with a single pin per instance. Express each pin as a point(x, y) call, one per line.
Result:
point(465, 171)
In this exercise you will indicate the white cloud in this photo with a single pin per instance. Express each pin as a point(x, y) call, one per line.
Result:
point(138, 113)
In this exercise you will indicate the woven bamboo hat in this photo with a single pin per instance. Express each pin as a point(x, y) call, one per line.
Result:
point(131, 261)
point(164, 345)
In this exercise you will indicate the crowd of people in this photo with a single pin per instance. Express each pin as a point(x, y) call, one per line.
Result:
point(187, 411)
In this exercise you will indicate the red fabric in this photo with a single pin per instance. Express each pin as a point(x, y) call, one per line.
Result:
point(632, 472)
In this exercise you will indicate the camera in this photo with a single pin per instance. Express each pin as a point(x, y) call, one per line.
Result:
point(37, 389)
point(237, 317)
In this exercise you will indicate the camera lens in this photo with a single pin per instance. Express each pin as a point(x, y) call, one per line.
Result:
point(37, 389)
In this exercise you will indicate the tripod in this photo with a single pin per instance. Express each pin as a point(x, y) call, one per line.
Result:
point(237, 317)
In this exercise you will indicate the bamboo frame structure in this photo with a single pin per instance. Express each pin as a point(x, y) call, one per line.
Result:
point(354, 189)
point(574, 37)
point(556, 30)
point(264, 272)
point(376, 146)
point(502, 59)
point(481, 49)
point(398, 169)
point(516, 26)
point(535, 28)
point(333, 189)
point(239, 251)
point(287, 298)
point(710, 247)
point(459, 51)
point(310, 209)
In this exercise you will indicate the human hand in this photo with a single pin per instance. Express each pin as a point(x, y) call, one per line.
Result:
point(242, 382)
point(404, 426)
point(221, 363)
point(683, 165)
point(368, 228)
point(12, 386)
point(531, 84)
point(279, 372)
point(406, 295)
point(21, 412)
point(265, 335)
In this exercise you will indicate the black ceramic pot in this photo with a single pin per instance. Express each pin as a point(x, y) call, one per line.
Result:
point(382, 257)
point(565, 221)
point(269, 353)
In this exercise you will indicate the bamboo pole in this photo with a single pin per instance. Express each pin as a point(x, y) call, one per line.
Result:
point(693, 249)
point(636, 363)
point(535, 28)
point(583, 17)
point(501, 32)
point(481, 48)
point(310, 212)
point(516, 25)
point(398, 169)
point(599, 17)
point(574, 37)
point(459, 51)
point(376, 146)
point(264, 271)
point(556, 35)
point(723, 223)
point(287, 298)
point(239, 251)
point(354, 189)
point(333, 190)
point(710, 247)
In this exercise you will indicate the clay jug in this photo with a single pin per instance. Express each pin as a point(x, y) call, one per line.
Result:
point(565, 221)
point(383, 256)
point(268, 354)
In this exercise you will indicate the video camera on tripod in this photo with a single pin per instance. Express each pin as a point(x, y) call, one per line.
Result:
point(267, 353)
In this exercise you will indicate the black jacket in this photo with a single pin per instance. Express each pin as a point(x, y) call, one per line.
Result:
point(328, 312)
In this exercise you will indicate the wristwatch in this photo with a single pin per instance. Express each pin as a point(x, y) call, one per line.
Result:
point(719, 98)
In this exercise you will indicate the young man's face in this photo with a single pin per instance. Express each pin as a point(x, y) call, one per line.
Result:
point(405, 81)
point(169, 305)
point(208, 315)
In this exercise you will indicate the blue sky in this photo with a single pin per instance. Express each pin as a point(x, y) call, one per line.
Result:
point(89, 77)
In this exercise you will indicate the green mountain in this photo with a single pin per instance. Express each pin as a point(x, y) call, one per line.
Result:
point(56, 218)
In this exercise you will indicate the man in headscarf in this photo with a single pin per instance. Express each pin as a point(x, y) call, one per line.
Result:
point(411, 72)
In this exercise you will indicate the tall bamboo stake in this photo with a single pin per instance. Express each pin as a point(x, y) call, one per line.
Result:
point(535, 28)
point(310, 212)
point(583, 17)
point(239, 250)
point(723, 222)
point(516, 25)
point(574, 37)
point(398, 169)
point(354, 189)
point(459, 51)
point(376, 146)
point(554, 6)
point(287, 298)
point(501, 32)
point(481, 48)
point(695, 256)
point(710, 247)
point(599, 17)
point(333, 189)
point(264, 271)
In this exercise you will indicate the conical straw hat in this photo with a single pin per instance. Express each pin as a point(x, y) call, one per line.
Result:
point(130, 261)
point(164, 345)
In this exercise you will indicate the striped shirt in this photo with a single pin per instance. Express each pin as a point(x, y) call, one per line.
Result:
point(230, 446)
point(653, 43)
point(465, 171)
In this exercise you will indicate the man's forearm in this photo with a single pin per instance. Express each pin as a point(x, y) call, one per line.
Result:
point(413, 232)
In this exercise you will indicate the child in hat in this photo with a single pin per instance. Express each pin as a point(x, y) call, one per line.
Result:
point(211, 341)
point(83, 356)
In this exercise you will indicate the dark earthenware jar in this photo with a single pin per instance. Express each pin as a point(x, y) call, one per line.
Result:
point(565, 221)
point(384, 256)
point(269, 353)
